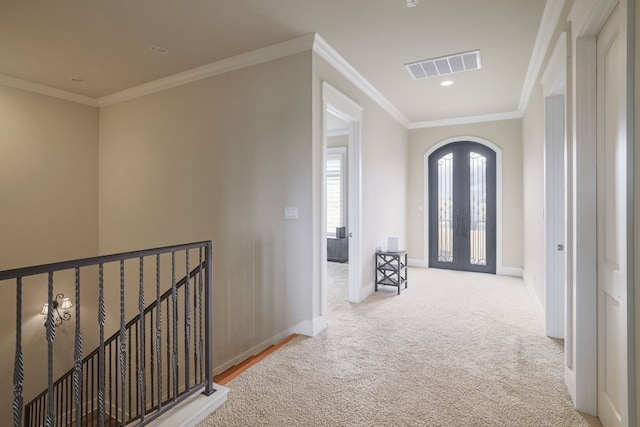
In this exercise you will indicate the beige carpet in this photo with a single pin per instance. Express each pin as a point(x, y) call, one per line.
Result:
point(455, 349)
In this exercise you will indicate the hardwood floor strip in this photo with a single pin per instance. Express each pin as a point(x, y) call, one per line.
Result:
point(238, 369)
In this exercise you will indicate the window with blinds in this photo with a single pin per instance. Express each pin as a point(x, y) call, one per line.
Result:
point(336, 189)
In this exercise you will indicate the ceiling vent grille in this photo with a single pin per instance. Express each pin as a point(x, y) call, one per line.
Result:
point(445, 65)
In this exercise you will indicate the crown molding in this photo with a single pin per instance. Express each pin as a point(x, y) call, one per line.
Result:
point(548, 24)
point(329, 54)
point(47, 90)
point(466, 120)
point(237, 62)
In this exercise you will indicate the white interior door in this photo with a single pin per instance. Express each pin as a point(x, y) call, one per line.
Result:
point(555, 218)
point(611, 201)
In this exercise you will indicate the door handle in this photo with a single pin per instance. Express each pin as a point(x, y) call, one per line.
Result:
point(350, 234)
point(561, 247)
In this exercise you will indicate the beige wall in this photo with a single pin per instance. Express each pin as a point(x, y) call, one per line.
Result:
point(506, 134)
point(533, 170)
point(48, 183)
point(48, 179)
point(219, 159)
point(384, 179)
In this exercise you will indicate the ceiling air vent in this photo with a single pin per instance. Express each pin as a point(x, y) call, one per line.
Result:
point(445, 65)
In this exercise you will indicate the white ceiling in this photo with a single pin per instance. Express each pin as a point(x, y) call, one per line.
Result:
point(106, 43)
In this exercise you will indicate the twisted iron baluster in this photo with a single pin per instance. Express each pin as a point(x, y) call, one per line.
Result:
point(141, 375)
point(187, 324)
point(77, 355)
point(123, 346)
point(201, 341)
point(51, 335)
point(18, 367)
point(159, 332)
point(174, 300)
point(101, 356)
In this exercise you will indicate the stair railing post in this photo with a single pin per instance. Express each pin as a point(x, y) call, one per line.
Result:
point(208, 319)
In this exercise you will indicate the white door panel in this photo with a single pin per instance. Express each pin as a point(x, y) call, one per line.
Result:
point(612, 348)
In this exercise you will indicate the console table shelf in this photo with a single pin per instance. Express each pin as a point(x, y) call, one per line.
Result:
point(391, 269)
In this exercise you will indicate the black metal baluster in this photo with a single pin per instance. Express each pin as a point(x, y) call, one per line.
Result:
point(174, 300)
point(187, 324)
point(123, 346)
point(112, 379)
point(18, 364)
point(51, 334)
point(61, 391)
point(141, 373)
point(196, 371)
point(68, 399)
point(86, 393)
point(101, 349)
point(77, 354)
point(159, 332)
point(168, 351)
point(152, 367)
point(58, 412)
point(92, 386)
point(41, 413)
point(129, 371)
point(134, 373)
point(200, 339)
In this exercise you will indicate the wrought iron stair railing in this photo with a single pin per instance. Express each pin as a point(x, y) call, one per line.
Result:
point(151, 363)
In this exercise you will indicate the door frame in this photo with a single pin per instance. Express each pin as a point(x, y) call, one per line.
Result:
point(581, 377)
point(500, 269)
point(342, 106)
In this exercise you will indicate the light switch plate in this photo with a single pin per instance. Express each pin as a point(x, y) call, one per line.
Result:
point(291, 213)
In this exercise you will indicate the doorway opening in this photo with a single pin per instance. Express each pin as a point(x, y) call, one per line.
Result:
point(462, 207)
point(341, 202)
point(338, 132)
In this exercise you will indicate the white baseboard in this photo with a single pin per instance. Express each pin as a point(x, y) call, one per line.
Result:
point(259, 348)
point(194, 409)
point(536, 302)
point(310, 328)
point(415, 262)
point(365, 292)
point(510, 271)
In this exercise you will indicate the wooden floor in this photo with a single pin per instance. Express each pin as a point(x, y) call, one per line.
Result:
point(236, 370)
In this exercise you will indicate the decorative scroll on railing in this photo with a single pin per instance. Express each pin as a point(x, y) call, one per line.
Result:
point(148, 364)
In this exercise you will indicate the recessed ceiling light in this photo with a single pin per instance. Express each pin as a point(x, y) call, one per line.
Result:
point(411, 3)
point(159, 50)
point(77, 80)
point(446, 83)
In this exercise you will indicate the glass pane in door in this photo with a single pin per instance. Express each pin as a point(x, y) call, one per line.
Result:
point(477, 209)
point(445, 208)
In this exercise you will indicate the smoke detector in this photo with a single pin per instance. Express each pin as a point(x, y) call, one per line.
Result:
point(411, 3)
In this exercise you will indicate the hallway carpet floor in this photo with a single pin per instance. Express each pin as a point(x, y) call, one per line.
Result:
point(454, 349)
